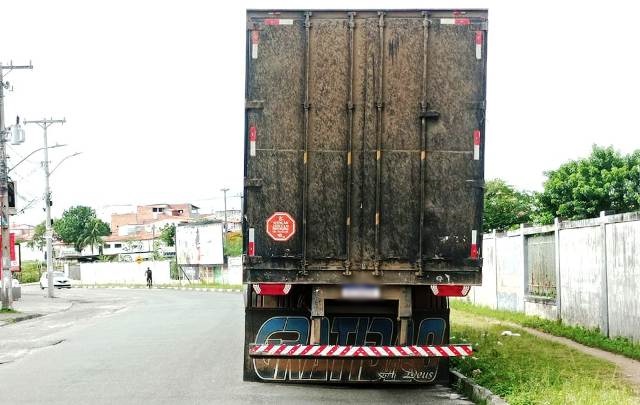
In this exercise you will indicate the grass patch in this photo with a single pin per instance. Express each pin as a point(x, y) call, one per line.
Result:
point(585, 336)
point(8, 311)
point(530, 370)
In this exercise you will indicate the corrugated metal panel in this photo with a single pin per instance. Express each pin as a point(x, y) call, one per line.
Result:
point(541, 265)
point(335, 138)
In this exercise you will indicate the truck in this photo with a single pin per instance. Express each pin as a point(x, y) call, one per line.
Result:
point(363, 191)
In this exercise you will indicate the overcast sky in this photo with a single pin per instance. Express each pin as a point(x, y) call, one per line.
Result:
point(153, 92)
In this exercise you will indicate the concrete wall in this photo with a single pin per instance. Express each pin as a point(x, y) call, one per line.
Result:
point(510, 273)
point(123, 272)
point(597, 272)
point(580, 287)
point(623, 278)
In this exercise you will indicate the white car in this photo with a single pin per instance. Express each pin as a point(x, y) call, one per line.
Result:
point(59, 280)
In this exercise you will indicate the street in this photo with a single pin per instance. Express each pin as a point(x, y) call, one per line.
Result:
point(129, 346)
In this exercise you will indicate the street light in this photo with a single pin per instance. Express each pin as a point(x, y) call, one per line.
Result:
point(37, 150)
point(63, 159)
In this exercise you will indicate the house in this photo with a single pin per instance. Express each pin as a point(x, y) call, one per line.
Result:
point(234, 219)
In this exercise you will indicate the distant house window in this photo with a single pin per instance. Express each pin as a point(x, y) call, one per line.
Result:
point(157, 209)
point(117, 245)
point(107, 246)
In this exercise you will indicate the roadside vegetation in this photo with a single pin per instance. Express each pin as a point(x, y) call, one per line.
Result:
point(529, 370)
point(606, 180)
point(30, 272)
point(587, 337)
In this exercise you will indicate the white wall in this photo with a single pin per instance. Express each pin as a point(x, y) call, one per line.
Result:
point(124, 273)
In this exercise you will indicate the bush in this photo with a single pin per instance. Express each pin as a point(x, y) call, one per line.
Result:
point(31, 271)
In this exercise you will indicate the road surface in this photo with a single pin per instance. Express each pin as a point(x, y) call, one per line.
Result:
point(125, 346)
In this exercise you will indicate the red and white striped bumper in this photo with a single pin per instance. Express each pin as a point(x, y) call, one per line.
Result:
point(268, 350)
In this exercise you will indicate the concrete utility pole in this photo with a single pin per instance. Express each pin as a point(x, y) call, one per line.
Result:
point(44, 124)
point(224, 228)
point(7, 296)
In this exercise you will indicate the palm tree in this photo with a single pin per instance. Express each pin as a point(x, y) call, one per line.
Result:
point(96, 229)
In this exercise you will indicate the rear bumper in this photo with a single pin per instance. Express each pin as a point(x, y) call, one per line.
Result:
point(323, 351)
point(466, 276)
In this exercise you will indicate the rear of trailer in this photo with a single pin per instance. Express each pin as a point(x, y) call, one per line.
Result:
point(364, 173)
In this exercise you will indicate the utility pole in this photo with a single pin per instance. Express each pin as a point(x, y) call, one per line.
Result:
point(224, 230)
point(44, 124)
point(7, 296)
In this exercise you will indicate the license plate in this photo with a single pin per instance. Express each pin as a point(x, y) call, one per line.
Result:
point(359, 291)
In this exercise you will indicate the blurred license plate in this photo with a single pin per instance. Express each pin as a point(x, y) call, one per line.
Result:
point(360, 291)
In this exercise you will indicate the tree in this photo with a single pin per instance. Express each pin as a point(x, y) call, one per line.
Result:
point(80, 227)
point(94, 232)
point(504, 206)
point(578, 189)
point(168, 234)
point(38, 241)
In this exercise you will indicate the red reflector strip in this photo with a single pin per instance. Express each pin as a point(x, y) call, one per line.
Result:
point(282, 350)
point(251, 248)
point(479, 40)
point(255, 39)
point(278, 21)
point(272, 289)
point(450, 290)
point(455, 21)
point(476, 144)
point(253, 136)
point(474, 244)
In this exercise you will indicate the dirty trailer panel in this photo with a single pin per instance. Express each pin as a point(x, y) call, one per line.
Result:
point(364, 146)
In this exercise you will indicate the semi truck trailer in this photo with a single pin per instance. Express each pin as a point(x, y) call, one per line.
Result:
point(363, 191)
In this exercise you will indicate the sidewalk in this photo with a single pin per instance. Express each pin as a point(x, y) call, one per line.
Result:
point(33, 304)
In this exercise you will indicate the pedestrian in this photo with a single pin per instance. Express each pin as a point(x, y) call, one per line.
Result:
point(149, 275)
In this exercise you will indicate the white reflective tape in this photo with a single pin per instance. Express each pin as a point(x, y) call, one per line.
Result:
point(447, 21)
point(285, 21)
point(421, 351)
point(338, 351)
point(252, 148)
point(434, 351)
point(394, 351)
point(326, 350)
point(252, 235)
point(260, 349)
point(287, 349)
point(313, 350)
point(274, 349)
point(368, 350)
point(352, 350)
point(254, 51)
point(448, 351)
point(381, 351)
point(474, 237)
point(299, 350)
point(476, 152)
point(478, 51)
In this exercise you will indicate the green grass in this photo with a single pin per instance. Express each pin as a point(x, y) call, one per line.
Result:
point(587, 337)
point(8, 311)
point(530, 370)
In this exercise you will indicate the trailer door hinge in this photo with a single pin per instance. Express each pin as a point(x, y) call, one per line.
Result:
point(254, 104)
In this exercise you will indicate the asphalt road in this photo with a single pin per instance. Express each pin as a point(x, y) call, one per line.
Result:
point(155, 347)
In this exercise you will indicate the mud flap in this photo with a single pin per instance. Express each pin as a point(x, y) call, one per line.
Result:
point(292, 326)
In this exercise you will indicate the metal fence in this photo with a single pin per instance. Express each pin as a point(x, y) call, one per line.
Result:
point(583, 272)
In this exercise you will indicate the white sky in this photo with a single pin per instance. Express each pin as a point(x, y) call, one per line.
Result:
point(153, 92)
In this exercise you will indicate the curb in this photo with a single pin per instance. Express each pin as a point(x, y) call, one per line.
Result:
point(11, 321)
point(476, 393)
point(228, 290)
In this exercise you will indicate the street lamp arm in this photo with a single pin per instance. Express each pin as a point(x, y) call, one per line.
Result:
point(29, 155)
point(60, 162)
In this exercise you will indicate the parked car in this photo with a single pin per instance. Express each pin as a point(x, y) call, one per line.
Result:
point(59, 280)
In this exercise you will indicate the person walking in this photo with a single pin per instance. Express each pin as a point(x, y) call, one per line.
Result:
point(149, 275)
